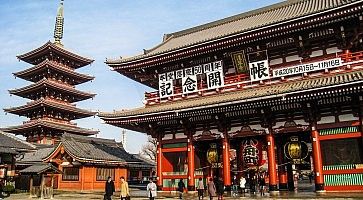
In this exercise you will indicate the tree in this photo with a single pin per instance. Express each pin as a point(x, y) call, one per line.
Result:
point(149, 149)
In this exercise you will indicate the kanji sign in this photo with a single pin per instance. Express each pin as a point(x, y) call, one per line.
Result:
point(213, 73)
point(215, 79)
point(239, 61)
point(166, 89)
point(189, 84)
point(259, 70)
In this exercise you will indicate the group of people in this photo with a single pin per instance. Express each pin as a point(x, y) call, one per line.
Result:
point(124, 189)
point(214, 187)
point(110, 189)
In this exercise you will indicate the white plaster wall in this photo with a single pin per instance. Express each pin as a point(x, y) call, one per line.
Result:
point(347, 117)
point(325, 120)
point(293, 58)
point(168, 137)
point(333, 50)
point(316, 53)
point(301, 122)
point(180, 135)
point(276, 61)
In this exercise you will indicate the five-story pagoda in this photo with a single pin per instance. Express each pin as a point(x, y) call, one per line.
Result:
point(52, 92)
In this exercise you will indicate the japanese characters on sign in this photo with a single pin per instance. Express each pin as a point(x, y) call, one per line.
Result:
point(189, 84)
point(309, 67)
point(189, 80)
point(166, 88)
point(259, 70)
point(239, 61)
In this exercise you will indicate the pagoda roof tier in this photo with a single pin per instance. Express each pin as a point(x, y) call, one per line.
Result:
point(251, 94)
point(42, 124)
point(28, 91)
point(266, 20)
point(46, 65)
point(43, 103)
point(52, 51)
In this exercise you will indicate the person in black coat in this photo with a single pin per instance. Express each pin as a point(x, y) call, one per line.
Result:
point(220, 188)
point(181, 187)
point(109, 189)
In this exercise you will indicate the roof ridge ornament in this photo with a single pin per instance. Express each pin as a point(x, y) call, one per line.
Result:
point(59, 23)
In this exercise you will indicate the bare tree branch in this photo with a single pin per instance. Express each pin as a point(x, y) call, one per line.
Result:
point(149, 149)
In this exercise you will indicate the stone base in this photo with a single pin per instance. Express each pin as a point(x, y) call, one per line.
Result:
point(319, 187)
point(191, 187)
point(283, 186)
point(273, 188)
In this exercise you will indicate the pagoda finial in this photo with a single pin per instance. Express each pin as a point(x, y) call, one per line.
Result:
point(59, 21)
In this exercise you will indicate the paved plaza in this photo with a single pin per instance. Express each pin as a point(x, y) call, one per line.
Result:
point(139, 194)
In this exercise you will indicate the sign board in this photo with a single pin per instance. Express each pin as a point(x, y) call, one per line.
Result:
point(166, 89)
point(189, 84)
point(259, 70)
point(213, 72)
point(309, 67)
point(239, 61)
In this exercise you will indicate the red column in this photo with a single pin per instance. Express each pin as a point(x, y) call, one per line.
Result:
point(318, 162)
point(271, 161)
point(159, 182)
point(282, 168)
point(191, 179)
point(226, 163)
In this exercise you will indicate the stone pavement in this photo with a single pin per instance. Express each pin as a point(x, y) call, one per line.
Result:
point(281, 195)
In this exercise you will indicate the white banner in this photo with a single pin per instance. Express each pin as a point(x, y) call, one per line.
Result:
point(166, 89)
point(309, 67)
point(213, 71)
point(215, 79)
point(189, 84)
point(259, 70)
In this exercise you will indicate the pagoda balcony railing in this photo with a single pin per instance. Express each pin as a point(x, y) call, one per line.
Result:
point(51, 120)
point(234, 82)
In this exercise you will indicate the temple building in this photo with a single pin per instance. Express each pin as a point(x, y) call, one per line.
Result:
point(274, 92)
point(53, 94)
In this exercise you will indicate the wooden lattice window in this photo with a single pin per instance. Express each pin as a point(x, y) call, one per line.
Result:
point(103, 173)
point(70, 174)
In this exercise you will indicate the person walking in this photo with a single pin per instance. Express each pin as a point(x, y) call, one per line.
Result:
point(234, 186)
point(253, 185)
point(109, 189)
point(200, 189)
point(181, 188)
point(220, 188)
point(124, 189)
point(262, 184)
point(211, 189)
point(242, 184)
point(151, 189)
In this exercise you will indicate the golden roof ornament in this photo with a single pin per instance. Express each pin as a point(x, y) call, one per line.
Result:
point(59, 21)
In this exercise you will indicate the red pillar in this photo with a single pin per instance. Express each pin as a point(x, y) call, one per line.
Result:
point(191, 179)
point(318, 162)
point(226, 163)
point(159, 155)
point(282, 168)
point(271, 161)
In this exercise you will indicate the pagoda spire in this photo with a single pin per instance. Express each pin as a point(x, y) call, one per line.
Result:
point(59, 22)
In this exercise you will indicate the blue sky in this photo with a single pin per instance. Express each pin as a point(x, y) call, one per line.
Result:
point(100, 29)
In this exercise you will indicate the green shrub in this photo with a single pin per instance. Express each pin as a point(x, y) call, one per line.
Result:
point(9, 188)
